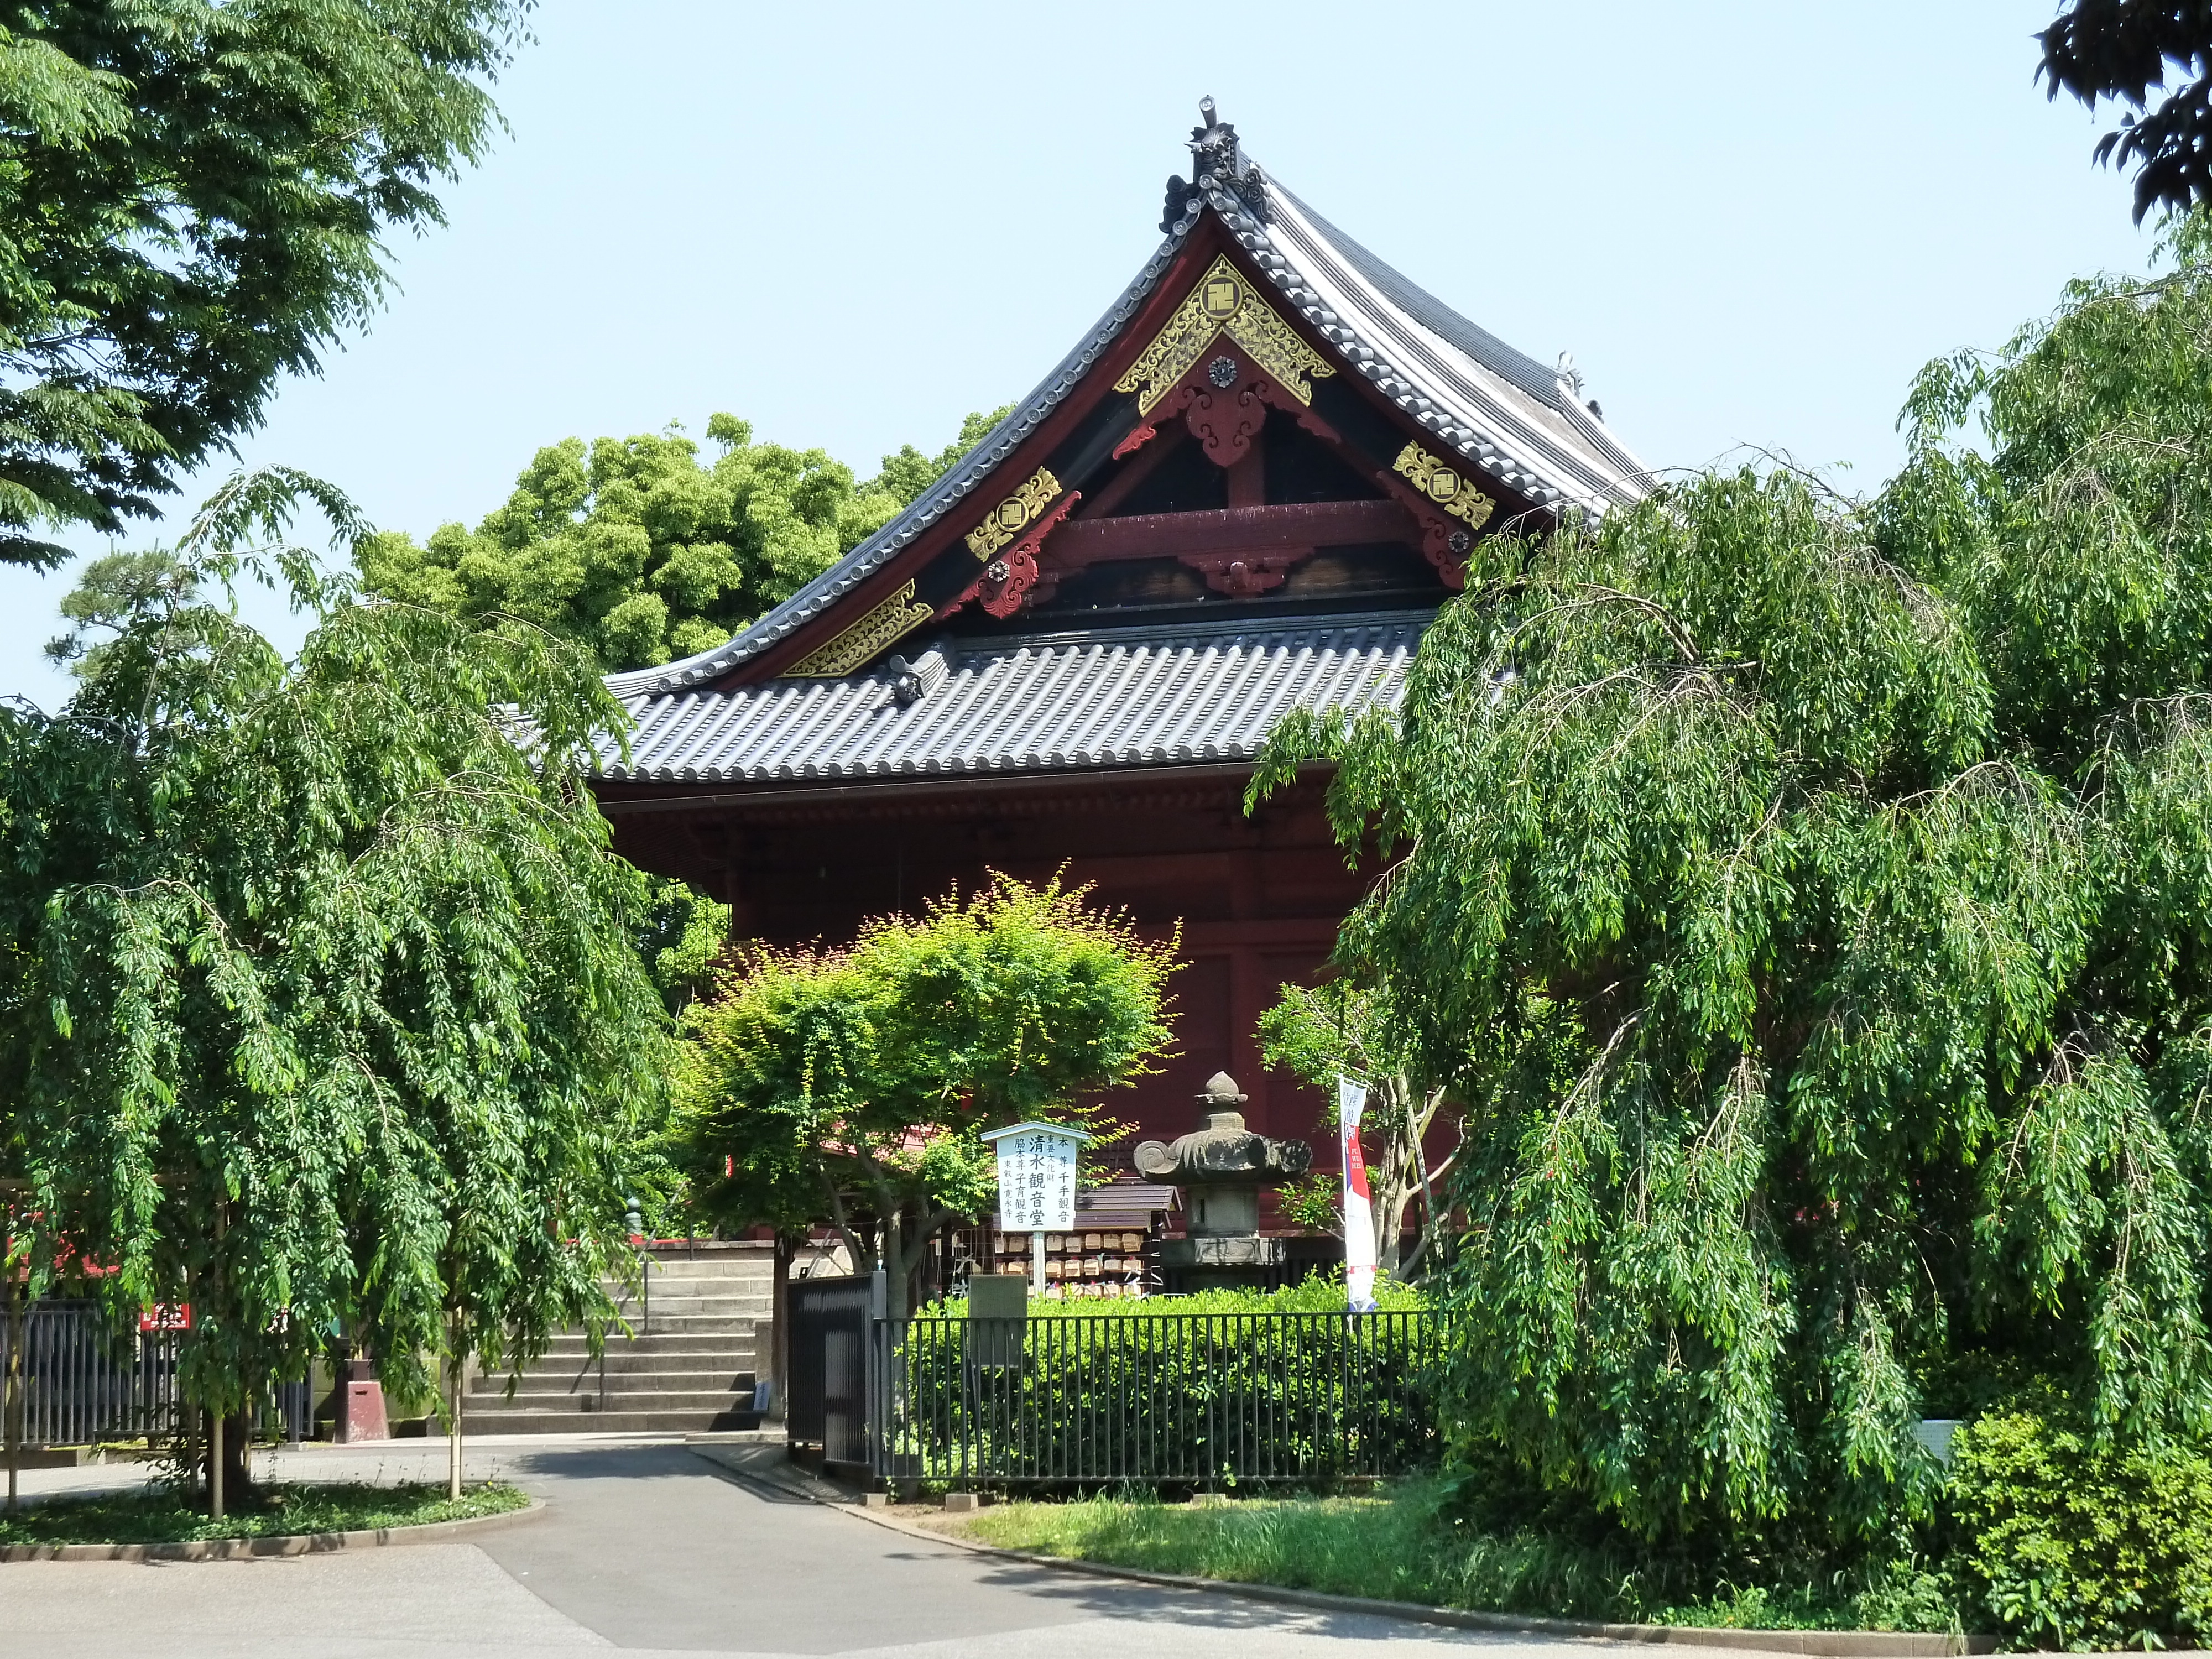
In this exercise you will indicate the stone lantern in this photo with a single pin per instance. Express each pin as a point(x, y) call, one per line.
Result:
point(1220, 1168)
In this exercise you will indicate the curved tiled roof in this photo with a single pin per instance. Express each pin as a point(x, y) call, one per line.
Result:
point(1047, 703)
point(1501, 410)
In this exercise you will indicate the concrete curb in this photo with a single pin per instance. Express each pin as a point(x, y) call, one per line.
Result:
point(1819, 1644)
point(302, 1543)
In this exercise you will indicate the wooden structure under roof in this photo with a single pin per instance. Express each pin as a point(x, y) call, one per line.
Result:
point(1247, 489)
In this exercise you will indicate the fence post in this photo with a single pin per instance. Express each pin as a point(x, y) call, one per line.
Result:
point(11, 1392)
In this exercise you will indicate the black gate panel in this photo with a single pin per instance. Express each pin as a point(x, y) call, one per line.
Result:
point(832, 1342)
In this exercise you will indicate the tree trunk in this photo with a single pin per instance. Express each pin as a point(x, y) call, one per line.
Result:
point(456, 1384)
point(228, 1474)
point(214, 1468)
point(897, 1265)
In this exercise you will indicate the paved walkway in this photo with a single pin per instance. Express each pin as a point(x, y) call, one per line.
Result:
point(646, 1548)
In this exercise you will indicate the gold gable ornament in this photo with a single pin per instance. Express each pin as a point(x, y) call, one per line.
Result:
point(1224, 303)
point(1012, 516)
point(1446, 488)
point(893, 620)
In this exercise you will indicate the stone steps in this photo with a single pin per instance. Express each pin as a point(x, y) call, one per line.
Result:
point(718, 1379)
point(716, 1395)
point(689, 1367)
point(622, 1360)
point(576, 1421)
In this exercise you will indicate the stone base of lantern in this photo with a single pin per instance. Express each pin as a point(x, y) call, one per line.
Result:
point(1204, 1263)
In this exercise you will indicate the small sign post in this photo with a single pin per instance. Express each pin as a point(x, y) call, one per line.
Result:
point(1037, 1183)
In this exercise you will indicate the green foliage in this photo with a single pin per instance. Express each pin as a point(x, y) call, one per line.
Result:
point(164, 1516)
point(852, 1086)
point(640, 553)
point(2124, 51)
point(1417, 1545)
point(194, 200)
point(110, 591)
point(1214, 1388)
point(2067, 1542)
point(322, 1001)
point(1314, 1201)
point(1340, 1028)
point(1811, 903)
point(684, 932)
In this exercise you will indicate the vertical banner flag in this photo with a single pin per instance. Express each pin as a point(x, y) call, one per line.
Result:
point(1037, 1184)
point(1359, 1212)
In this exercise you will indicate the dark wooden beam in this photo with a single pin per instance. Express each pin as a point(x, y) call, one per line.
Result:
point(1147, 462)
point(1286, 528)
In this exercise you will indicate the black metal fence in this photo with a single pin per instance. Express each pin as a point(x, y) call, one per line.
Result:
point(1204, 1400)
point(83, 1382)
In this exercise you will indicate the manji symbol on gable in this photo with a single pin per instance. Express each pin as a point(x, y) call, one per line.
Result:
point(1012, 516)
point(1224, 303)
point(1442, 485)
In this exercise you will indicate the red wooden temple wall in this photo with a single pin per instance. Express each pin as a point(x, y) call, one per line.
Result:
point(1258, 898)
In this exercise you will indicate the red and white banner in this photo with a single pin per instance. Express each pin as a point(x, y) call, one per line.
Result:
point(1358, 1209)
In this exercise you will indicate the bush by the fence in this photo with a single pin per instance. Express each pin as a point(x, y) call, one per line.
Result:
point(1317, 1293)
point(1220, 1389)
point(2068, 1543)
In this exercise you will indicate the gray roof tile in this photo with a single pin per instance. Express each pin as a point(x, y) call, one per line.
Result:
point(1046, 703)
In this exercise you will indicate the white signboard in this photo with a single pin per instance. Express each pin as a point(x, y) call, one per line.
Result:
point(1037, 1175)
point(1037, 1184)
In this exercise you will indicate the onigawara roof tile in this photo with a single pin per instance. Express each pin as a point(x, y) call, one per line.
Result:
point(1046, 703)
point(1509, 416)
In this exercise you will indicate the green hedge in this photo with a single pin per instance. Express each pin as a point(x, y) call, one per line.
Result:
point(1221, 1388)
point(2066, 1542)
point(1319, 1292)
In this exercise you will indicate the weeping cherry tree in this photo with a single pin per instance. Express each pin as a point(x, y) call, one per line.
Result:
point(1810, 901)
point(325, 1009)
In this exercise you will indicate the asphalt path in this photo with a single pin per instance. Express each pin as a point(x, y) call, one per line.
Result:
point(650, 1549)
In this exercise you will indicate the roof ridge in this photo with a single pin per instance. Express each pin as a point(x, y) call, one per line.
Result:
point(1549, 452)
point(1513, 364)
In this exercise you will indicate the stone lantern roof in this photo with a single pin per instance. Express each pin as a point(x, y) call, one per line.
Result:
point(1224, 1152)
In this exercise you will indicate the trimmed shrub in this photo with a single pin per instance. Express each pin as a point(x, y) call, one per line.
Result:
point(2068, 1542)
point(1222, 1388)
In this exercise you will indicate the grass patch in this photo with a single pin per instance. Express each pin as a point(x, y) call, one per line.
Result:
point(1400, 1548)
point(160, 1517)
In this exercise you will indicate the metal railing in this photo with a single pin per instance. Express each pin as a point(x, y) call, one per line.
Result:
point(83, 1382)
point(1203, 1400)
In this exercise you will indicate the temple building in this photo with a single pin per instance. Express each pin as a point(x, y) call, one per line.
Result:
point(1247, 489)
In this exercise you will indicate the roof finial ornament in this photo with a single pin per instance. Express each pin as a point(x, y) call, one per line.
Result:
point(1214, 149)
point(1571, 378)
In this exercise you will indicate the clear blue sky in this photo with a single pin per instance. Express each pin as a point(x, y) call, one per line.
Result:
point(852, 223)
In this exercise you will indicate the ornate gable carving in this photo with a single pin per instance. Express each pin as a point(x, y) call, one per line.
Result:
point(1223, 303)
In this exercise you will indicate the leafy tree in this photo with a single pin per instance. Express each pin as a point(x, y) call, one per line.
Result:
point(2121, 50)
point(1341, 1028)
point(684, 932)
point(643, 553)
point(110, 591)
point(325, 1002)
point(851, 1086)
point(194, 198)
point(1811, 901)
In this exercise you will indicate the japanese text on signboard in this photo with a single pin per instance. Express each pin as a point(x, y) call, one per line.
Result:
point(1036, 1183)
